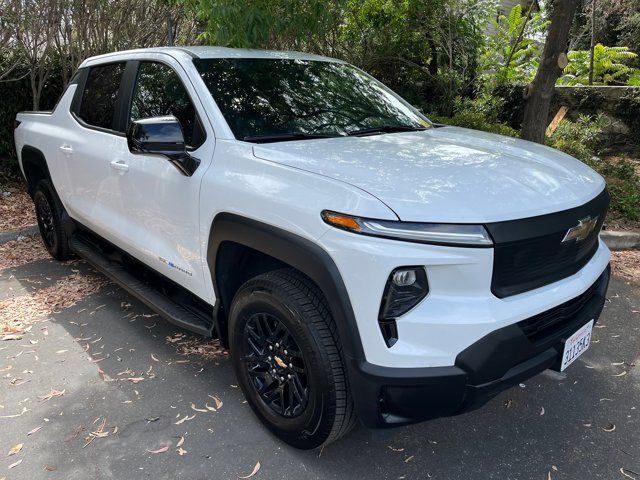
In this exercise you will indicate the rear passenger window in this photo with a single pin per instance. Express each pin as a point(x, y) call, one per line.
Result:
point(159, 92)
point(100, 93)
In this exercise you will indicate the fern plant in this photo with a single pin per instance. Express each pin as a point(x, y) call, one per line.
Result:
point(610, 66)
point(513, 49)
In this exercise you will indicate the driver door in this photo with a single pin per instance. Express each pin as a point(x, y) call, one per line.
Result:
point(160, 204)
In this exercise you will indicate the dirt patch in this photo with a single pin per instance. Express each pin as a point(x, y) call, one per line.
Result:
point(16, 207)
point(19, 252)
point(17, 313)
point(626, 264)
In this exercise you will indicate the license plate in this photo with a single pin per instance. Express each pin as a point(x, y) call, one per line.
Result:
point(576, 345)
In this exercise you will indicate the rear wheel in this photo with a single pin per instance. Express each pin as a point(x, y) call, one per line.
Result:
point(49, 215)
point(287, 357)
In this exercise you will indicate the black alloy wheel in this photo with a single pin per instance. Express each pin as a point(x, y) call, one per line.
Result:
point(49, 214)
point(276, 365)
point(287, 356)
point(45, 221)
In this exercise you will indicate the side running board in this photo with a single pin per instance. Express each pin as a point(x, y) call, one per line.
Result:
point(172, 311)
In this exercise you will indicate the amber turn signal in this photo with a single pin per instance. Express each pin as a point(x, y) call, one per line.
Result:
point(341, 221)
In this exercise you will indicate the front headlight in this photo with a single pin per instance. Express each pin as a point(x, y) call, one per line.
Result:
point(433, 233)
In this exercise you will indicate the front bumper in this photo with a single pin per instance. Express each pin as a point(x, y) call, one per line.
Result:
point(388, 396)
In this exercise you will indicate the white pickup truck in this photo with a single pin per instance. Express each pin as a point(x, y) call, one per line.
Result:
point(357, 260)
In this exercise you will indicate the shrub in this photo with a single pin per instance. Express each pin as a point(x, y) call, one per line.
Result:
point(581, 138)
point(476, 121)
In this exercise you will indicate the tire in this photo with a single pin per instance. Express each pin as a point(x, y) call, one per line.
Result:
point(49, 215)
point(308, 343)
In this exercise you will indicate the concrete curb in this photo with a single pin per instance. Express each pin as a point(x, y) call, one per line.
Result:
point(620, 239)
point(9, 235)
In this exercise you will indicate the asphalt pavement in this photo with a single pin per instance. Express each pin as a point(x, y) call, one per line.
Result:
point(91, 390)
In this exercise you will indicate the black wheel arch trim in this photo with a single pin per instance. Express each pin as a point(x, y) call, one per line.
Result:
point(295, 251)
point(30, 155)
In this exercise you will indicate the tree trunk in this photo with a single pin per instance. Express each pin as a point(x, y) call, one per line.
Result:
point(593, 40)
point(539, 93)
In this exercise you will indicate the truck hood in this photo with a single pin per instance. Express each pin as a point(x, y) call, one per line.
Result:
point(447, 174)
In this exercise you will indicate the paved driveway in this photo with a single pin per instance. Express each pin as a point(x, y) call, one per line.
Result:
point(129, 388)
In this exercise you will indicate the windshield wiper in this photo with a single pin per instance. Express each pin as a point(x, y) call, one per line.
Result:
point(283, 137)
point(385, 129)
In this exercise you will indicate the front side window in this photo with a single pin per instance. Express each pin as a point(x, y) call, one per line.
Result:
point(159, 92)
point(269, 97)
point(100, 94)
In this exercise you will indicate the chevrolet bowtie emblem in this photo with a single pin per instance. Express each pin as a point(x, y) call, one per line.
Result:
point(581, 231)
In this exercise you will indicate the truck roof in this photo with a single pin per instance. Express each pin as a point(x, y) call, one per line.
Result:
point(208, 52)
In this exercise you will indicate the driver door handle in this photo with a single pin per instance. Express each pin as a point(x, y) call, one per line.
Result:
point(119, 165)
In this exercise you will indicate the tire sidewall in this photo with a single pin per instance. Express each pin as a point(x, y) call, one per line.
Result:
point(308, 429)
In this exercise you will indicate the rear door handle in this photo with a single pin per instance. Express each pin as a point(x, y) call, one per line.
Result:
point(119, 165)
point(68, 149)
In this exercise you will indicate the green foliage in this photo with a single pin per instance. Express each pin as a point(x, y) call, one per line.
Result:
point(16, 96)
point(513, 50)
point(627, 109)
point(479, 114)
point(265, 23)
point(610, 66)
point(624, 185)
point(581, 139)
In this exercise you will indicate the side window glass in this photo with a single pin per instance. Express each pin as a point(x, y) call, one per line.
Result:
point(159, 92)
point(100, 93)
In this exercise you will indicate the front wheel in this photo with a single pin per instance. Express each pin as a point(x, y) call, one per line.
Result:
point(286, 354)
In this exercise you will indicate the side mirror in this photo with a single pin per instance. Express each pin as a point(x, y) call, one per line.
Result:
point(162, 136)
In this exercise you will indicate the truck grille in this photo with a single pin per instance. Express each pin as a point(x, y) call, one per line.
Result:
point(554, 321)
point(530, 253)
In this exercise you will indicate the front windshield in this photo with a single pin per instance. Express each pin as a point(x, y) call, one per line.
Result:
point(262, 97)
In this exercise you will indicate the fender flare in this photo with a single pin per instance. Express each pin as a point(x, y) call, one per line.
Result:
point(297, 252)
point(31, 156)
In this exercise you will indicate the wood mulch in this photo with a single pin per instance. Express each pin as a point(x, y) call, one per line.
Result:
point(16, 207)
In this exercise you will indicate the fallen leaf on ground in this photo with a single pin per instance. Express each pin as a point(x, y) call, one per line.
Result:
point(24, 410)
point(180, 442)
point(49, 468)
point(541, 411)
point(623, 472)
point(12, 336)
point(99, 433)
point(621, 374)
point(160, 450)
point(51, 394)
point(135, 379)
point(609, 428)
point(193, 407)
point(253, 472)
point(13, 465)
point(184, 419)
point(181, 451)
point(62, 351)
point(31, 432)
point(408, 459)
point(153, 357)
point(15, 449)
point(217, 400)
